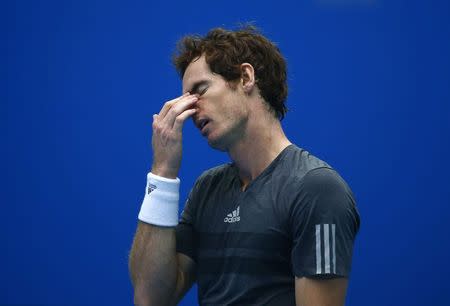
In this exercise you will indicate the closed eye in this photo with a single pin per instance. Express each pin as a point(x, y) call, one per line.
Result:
point(200, 88)
point(202, 91)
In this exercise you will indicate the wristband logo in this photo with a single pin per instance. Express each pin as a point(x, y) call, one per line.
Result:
point(150, 188)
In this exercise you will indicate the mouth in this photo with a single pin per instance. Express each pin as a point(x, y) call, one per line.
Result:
point(201, 124)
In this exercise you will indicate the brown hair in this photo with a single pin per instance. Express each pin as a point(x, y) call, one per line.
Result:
point(226, 50)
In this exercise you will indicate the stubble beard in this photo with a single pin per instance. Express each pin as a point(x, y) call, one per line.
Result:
point(229, 137)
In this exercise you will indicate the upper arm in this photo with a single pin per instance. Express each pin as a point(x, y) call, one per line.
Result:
point(324, 222)
point(320, 292)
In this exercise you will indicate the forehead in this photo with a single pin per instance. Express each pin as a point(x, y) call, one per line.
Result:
point(198, 70)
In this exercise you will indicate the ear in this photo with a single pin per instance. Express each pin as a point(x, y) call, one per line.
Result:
point(247, 77)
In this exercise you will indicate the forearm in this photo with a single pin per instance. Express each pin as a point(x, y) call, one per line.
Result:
point(153, 264)
point(153, 261)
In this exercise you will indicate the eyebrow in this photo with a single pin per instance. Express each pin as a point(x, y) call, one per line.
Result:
point(196, 86)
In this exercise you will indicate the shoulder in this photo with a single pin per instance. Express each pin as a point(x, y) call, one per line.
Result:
point(213, 178)
point(324, 180)
point(312, 184)
point(297, 162)
point(215, 173)
point(326, 198)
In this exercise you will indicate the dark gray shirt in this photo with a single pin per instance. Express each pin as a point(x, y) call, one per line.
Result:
point(297, 218)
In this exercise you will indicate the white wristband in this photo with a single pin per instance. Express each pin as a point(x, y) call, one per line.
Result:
point(160, 205)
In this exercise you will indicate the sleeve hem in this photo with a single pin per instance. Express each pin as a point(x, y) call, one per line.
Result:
point(321, 276)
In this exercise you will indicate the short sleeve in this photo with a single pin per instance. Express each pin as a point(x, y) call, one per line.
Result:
point(324, 222)
point(185, 230)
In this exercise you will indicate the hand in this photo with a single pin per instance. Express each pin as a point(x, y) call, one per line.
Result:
point(167, 134)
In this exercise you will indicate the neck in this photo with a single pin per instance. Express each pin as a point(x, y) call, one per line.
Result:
point(261, 143)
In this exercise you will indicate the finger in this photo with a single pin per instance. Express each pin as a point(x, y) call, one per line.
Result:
point(168, 105)
point(178, 108)
point(181, 118)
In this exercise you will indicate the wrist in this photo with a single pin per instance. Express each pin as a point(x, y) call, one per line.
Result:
point(165, 172)
point(160, 204)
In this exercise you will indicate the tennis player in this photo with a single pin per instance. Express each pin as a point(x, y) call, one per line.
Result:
point(275, 226)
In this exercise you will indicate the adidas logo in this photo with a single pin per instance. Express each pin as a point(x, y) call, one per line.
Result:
point(150, 188)
point(233, 217)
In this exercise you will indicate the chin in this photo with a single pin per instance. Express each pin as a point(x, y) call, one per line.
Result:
point(225, 139)
point(218, 143)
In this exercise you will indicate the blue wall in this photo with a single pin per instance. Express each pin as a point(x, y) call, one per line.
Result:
point(369, 93)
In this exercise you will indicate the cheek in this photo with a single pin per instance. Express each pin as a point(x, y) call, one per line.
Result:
point(237, 108)
point(225, 107)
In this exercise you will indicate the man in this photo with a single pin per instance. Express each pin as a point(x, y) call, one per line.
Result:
point(275, 226)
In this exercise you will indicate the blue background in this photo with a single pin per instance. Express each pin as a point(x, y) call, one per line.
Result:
point(369, 93)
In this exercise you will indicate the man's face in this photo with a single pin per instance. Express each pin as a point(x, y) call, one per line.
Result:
point(222, 111)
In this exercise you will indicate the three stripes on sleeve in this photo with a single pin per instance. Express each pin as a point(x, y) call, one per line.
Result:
point(325, 248)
